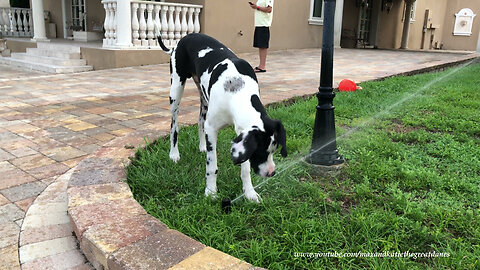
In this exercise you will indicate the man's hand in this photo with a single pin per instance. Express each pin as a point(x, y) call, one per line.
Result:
point(252, 5)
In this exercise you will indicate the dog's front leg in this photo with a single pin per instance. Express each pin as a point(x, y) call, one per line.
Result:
point(211, 167)
point(248, 189)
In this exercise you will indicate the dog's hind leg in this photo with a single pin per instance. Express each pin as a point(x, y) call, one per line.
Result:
point(176, 92)
point(201, 126)
point(202, 117)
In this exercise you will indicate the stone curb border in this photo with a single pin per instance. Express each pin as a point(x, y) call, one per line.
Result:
point(115, 232)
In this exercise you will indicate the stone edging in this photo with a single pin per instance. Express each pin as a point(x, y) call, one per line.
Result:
point(115, 232)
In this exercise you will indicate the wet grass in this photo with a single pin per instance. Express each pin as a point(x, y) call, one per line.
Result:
point(411, 183)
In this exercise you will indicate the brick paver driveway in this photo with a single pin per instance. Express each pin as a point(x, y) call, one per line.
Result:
point(49, 123)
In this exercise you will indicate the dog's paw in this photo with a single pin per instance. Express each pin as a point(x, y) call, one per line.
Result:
point(202, 147)
point(174, 156)
point(210, 193)
point(252, 195)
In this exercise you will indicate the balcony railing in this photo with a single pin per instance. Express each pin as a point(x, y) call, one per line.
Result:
point(175, 21)
point(16, 22)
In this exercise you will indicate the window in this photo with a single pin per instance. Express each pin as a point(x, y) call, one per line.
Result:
point(316, 12)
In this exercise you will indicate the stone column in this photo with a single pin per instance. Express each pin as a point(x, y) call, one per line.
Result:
point(406, 23)
point(39, 33)
point(338, 23)
point(124, 24)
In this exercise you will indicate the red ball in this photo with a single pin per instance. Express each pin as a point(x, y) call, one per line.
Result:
point(347, 85)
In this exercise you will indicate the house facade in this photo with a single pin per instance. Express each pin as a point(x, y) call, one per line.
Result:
point(124, 29)
point(433, 24)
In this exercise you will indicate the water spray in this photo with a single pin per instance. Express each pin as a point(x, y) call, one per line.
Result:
point(226, 203)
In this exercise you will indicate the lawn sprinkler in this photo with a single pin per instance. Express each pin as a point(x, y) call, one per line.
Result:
point(226, 205)
point(347, 85)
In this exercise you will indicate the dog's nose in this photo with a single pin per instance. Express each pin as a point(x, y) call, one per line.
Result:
point(271, 174)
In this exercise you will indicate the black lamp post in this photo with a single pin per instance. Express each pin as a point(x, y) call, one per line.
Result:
point(324, 145)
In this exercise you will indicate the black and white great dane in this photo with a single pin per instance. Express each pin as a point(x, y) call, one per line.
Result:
point(229, 94)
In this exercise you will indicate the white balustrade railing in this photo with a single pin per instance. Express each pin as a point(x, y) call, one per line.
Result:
point(174, 20)
point(16, 22)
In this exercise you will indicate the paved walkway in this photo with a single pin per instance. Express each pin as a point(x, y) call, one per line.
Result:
point(49, 123)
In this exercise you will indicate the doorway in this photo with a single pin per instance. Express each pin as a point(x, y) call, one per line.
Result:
point(74, 17)
point(364, 23)
point(368, 23)
point(79, 22)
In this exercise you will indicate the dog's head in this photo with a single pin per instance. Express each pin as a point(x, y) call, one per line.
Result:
point(258, 146)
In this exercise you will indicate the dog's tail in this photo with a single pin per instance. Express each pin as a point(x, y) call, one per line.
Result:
point(159, 38)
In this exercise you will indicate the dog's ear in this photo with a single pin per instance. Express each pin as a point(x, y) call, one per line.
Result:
point(244, 146)
point(281, 136)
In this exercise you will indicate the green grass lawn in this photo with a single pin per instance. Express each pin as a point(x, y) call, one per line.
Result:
point(411, 183)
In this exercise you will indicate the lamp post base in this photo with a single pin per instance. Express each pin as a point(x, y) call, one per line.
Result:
point(330, 171)
point(325, 158)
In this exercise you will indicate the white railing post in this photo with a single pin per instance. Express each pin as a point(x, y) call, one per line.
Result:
point(178, 25)
point(19, 21)
point(29, 22)
point(150, 26)
point(191, 27)
point(143, 25)
point(1, 22)
point(164, 23)
point(196, 24)
point(14, 23)
point(111, 31)
point(106, 24)
point(157, 21)
point(175, 20)
point(184, 21)
point(114, 23)
point(171, 26)
point(135, 25)
point(10, 22)
point(25, 22)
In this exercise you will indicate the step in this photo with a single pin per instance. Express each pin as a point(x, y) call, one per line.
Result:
point(53, 53)
point(49, 60)
point(58, 47)
point(43, 67)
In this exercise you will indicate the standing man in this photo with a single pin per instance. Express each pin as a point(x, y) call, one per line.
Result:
point(261, 38)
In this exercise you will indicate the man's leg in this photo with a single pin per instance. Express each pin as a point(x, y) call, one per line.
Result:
point(262, 52)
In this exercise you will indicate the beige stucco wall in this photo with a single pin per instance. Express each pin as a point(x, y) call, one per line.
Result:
point(55, 9)
point(20, 46)
point(349, 24)
point(4, 3)
point(452, 42)
point(437, 11)
point(231, 22)
point(104, 59)
point(95, 14)
point(443, 19)
point(442, 14)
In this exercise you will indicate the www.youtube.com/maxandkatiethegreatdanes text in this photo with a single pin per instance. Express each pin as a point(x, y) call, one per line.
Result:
point(385, 254)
